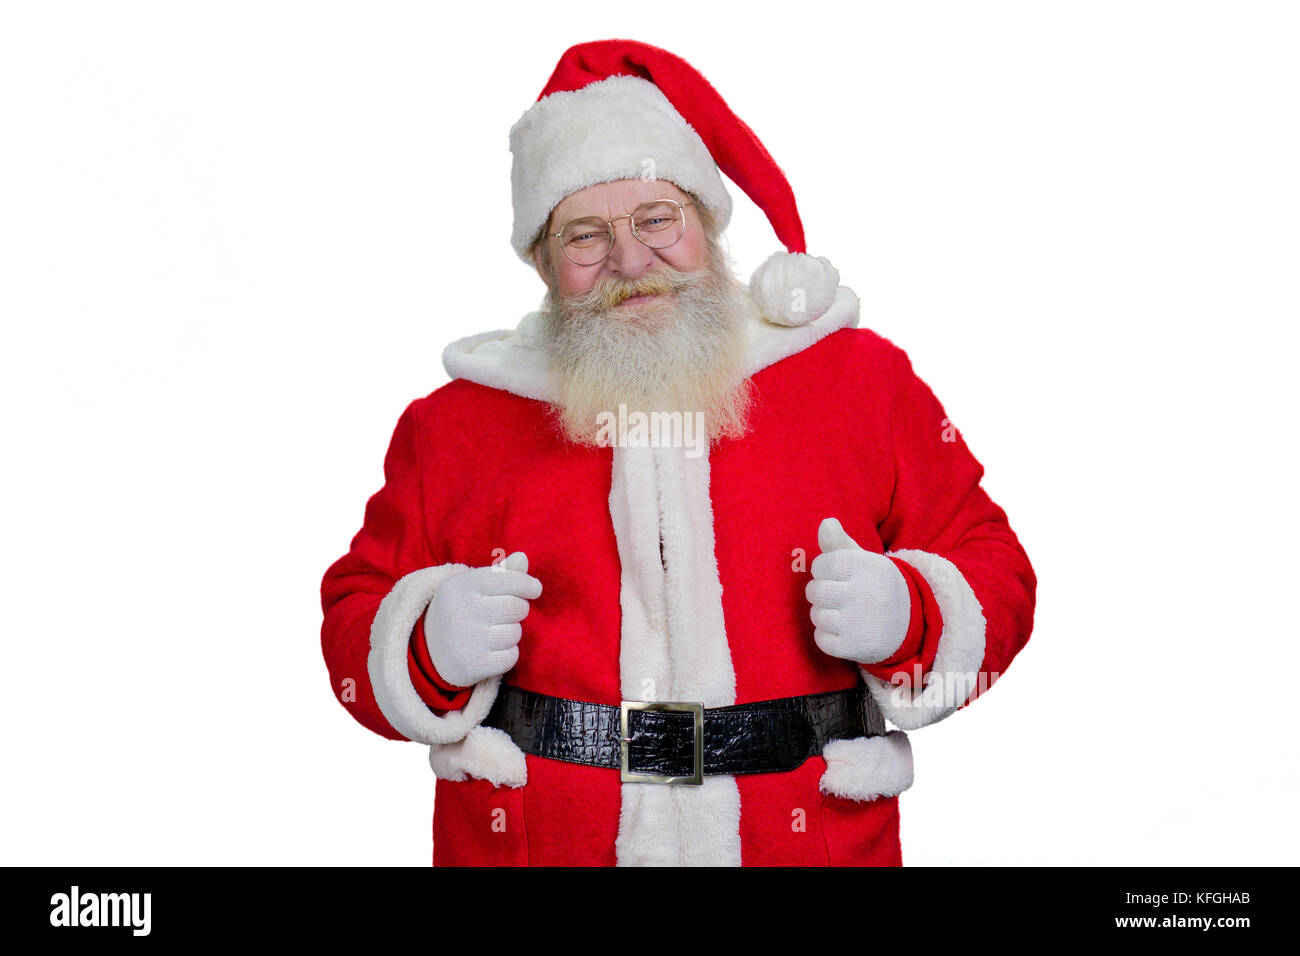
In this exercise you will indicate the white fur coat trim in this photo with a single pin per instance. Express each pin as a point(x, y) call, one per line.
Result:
point(486, 753)
point(390, 676)
point(957, 660)
point(673, 646)
point(866, 768)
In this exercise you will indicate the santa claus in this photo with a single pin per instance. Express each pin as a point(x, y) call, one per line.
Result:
point(628, 640)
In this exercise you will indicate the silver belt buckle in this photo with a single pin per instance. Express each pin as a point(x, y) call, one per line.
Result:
point(674, 706)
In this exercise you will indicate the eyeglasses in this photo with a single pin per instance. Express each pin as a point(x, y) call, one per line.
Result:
point(658, 223)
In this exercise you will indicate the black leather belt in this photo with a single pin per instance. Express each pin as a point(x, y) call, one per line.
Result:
point(674, 742)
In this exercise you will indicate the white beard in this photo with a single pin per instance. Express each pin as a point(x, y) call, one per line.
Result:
point(685, 353)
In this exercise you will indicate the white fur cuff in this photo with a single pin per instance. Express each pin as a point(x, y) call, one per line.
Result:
point(957, 661)
point(390, 676)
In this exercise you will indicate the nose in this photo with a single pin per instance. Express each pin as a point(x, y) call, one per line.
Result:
point(630, 258)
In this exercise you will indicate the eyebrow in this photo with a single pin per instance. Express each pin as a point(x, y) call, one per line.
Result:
point(550, 223)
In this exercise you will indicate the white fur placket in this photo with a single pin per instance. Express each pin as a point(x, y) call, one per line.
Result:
point(673, 647)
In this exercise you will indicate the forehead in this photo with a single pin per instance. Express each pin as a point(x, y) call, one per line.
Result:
point(618, 198)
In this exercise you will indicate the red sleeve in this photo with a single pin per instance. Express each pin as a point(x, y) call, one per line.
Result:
point(958, 543)
point(392, 542)
point(433, 690)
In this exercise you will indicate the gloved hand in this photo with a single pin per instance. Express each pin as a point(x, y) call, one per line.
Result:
point(860, 601)
point(472, 625)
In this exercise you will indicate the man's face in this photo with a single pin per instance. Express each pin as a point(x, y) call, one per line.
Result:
point(630, 259)
point(652, 329)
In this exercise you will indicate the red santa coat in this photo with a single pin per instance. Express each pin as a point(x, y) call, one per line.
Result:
point(841, 427)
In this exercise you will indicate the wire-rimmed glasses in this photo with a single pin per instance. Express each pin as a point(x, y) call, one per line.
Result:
point(658, 223)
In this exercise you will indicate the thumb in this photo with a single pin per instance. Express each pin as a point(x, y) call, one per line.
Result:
point(831, 536)
point(518, 561)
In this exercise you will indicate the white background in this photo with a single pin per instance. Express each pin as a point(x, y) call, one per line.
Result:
point(226, 266)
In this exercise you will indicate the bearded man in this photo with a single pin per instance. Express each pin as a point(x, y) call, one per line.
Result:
point(625, 647)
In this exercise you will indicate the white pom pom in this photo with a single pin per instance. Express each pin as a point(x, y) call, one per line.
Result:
point(792, 288)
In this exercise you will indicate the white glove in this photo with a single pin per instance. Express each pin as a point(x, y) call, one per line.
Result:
point(861, 604)
point(472, 626)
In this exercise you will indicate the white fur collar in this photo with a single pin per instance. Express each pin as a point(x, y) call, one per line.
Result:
point(514, 361)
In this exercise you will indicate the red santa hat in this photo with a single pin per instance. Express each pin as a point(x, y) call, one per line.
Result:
point(619, 109)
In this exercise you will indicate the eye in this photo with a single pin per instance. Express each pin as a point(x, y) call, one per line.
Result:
point(656, 220)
